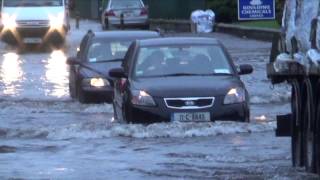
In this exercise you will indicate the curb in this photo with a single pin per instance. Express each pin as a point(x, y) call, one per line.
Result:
point(263, 34)
point(170, 25)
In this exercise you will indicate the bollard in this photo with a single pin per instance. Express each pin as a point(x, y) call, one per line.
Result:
point(121, 21)
point(193, 27)
point(213, 25)
point(77, 20)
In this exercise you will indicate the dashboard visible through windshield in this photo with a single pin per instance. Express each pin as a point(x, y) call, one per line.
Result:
point(182, 60)
point(32, 3)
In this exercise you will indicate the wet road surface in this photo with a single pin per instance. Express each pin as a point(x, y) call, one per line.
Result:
point(46, 135)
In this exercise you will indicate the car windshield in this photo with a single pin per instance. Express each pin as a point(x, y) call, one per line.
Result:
point(107, 51)
point(182, 60)
point(32, 3)
point(125, 4)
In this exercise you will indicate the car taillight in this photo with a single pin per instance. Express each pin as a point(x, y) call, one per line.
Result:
point(109, 13)
point(144, 11)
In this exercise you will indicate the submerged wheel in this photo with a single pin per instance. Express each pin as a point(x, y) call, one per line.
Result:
point(127, 113)
point(296, 140)
point(115, 114)
point(72, 91)
point(82, 96)
point(308, 135)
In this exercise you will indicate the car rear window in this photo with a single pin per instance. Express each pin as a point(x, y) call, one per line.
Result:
point(126, 4)
point(32, 3)
point(107, 50)
point(182, 59)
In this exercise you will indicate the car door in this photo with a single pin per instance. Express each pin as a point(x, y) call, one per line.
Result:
point(74, 69)
point(82, 54)
point(122, 85)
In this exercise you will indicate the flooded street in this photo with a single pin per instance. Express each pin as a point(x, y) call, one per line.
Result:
point(44, 134)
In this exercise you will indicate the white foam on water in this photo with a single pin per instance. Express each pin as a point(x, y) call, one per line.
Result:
point(102, 108)
point(276, 97)
point(159, 130)
point(27, 107)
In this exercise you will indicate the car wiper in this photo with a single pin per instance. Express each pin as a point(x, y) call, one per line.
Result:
point(220, 74)
point(182, 74)
point(179, 74)
point(195, 74)
point(188, 74)
point(28, 4)
point(110, 60)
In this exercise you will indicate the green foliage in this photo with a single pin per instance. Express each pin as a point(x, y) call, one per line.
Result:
point(279, 10)
point(225, 10)
point(260, 24)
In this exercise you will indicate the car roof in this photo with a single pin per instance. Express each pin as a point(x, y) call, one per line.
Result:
point(179, 41)
point(121, 34)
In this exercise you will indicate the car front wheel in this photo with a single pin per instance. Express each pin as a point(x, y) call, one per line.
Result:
point(82, 96)
point(127, 114)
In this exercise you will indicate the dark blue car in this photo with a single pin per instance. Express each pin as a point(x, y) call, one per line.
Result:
point(99, 52)
point(188, 79)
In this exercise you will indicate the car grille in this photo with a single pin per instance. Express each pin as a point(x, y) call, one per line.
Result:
point(33, 23)
point(189, 103)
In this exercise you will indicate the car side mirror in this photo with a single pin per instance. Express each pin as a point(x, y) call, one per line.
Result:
point(73, 61)
point(117, 73)
point(245, 69)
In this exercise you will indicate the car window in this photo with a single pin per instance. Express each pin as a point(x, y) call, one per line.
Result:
point(32, 3)
point(123, 4)
point(130, 52)
point(83, 44)
point(171, 60)
point(119, 49)
point(106, 51)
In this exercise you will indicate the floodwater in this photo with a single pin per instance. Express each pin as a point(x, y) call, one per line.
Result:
point(44, 134)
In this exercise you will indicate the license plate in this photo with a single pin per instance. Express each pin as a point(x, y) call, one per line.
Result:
point(191, 117)
point(128, 15)
point(32, 40)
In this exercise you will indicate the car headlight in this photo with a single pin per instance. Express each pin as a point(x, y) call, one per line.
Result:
point(56, 22)
point(96, 82)
point(235, 95)
point(142, 98)
point(9, 22)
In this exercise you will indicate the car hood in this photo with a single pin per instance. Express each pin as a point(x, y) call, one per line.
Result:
point(102, 67)
point(33, 13)
point(190, 86)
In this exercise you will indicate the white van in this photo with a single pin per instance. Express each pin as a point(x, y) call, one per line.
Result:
point(34, 21)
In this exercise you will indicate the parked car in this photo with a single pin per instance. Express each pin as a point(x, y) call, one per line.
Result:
point(134, 13)
point(99, 52)
point(179, 79)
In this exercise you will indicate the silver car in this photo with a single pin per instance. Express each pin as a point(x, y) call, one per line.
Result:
point(125, 12)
